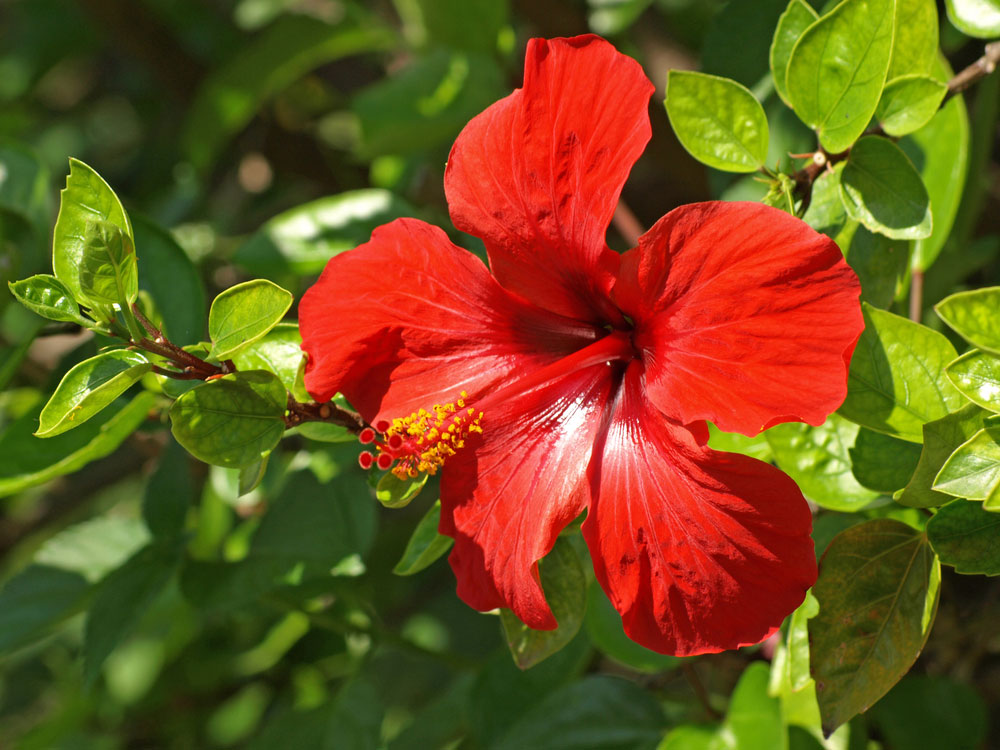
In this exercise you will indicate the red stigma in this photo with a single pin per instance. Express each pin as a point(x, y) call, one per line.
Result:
point(367, 436)
point(366, 460)
point(384, 461)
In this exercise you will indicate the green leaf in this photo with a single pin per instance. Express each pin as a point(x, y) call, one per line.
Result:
point(26, 461)
point(394, 492)
point(121, 601)
point(974, 315)
point(426, 545)
point(326, 432)
point(924, 712)
point(877, 591)
point(883, 463)
point(882, 190)
point(244, 313)
point(596, 712)
point(717, 120)
point(838, 67)
point(798, 16)
point(604, 626)
point(754, 717)
point(966, 537)
point(88, 388)
point(896, 382)
point(472, 25)
point(978, 18)
point(973, 470)
point(732, 442)
point(48, 297)
point(279, 351)
point(233, 420)
point(168, 493)
point(36, 600)
point(251, 475)
point(95, 547)
point(915, 44)
point(24, 189)
point(172, 281)
point(302, 239)
point(977, 375)
point(565, 585)
point(941, 438)
point(268, 64)
point(797, 643)
point(940, 152)
point(908, 103)
point(817, 459)
point(85, 200)
point(108, 273)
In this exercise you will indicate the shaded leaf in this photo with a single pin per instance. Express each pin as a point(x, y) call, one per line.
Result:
point(168, 493)
point(881, 462)
point(966, 537)
point(717, 120)
point(896, 381)
point(279, 351)
point(877, 592)
point(36, 600)
point(565, 585)
point(604, 626)
point(244, 313)
point(233, 420)
point(394, 492)
point(425, 546)
point(838, 67)
point(926, 713)
point(88, 388)
point(882, 190)
point(26, 461)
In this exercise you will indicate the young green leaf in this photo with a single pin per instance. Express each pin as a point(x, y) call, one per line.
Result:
point(233, 420)
point(278, 351)
point(978, 18)
point(877, 592)
point(108, 273)
point(425, 546)
point(974, 315)
point(86, 199)
point(915, 45)
point(26, 462)
point(908, 103)
point(244, 313)
point(966, 537)
point(882, 190)
point(717, 120)
point(394, 492)
point(940, 150)
point(897, 394)
point(973, 470)
point(48, 297)
point(565, 585)
point(977, 375)
point(817, 459)
point(798, 17)
point(89, 387)
point(881, 462)
point(941, 438)
point(837, 70)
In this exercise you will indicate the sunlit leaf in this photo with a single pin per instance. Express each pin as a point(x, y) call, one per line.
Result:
point(108, 274)
point(974, 315)
point(978, 18)
point(426, 545)
point(973, 470)
point(908, 103)
point(48, 297)
point(244, 313)
point(798, 16)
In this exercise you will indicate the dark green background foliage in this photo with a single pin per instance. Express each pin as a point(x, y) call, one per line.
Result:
point(276, 596)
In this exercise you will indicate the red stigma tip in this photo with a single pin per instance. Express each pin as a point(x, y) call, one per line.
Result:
point(384, 461)
point(367, 436)
point(383, 425)
point(395, 441)
point(366, 460)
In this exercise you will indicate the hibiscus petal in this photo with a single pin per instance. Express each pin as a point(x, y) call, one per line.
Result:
point(537, 175)
point(745, 315)
point(409, 319)
point(699, 551)
point(506, 495)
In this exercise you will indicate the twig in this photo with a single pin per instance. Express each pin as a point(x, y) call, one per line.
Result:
point(916, 295)
point(975, 72)
point(627, 224)
point(699, 689)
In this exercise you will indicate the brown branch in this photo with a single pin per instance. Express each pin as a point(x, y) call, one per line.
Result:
point(299, 412)
point(975, 72)
point(916, 295)
point(627, 224)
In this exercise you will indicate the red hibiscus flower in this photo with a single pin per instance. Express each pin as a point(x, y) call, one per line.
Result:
point(569, 378)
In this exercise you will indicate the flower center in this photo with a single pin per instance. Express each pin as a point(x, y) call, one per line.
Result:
point(420, 443)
